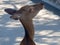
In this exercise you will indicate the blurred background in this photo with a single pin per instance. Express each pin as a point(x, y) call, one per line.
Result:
point(46, 23)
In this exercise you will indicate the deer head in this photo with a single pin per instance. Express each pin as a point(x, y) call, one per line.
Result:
point(27, 12)
point(25, 15)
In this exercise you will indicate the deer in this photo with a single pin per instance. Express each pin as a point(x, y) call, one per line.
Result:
point(25, 15)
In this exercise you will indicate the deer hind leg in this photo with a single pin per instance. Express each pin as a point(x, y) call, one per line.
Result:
point(10, 11)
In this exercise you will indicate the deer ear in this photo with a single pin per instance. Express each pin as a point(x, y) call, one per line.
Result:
point(31, 9)
point(10, 11)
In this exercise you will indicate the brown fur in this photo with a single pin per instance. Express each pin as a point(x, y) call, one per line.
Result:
point(25, 15)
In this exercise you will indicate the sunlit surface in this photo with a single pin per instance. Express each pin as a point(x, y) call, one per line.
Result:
point(46, 24)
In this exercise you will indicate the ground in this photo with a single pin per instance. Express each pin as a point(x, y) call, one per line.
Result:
point(46, 24)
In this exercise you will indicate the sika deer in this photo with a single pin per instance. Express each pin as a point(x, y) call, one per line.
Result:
point(25, 15)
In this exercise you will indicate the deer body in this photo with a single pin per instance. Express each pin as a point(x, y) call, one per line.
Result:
point(25, 15)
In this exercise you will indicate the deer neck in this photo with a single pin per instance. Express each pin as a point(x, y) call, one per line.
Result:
point(29, 29)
